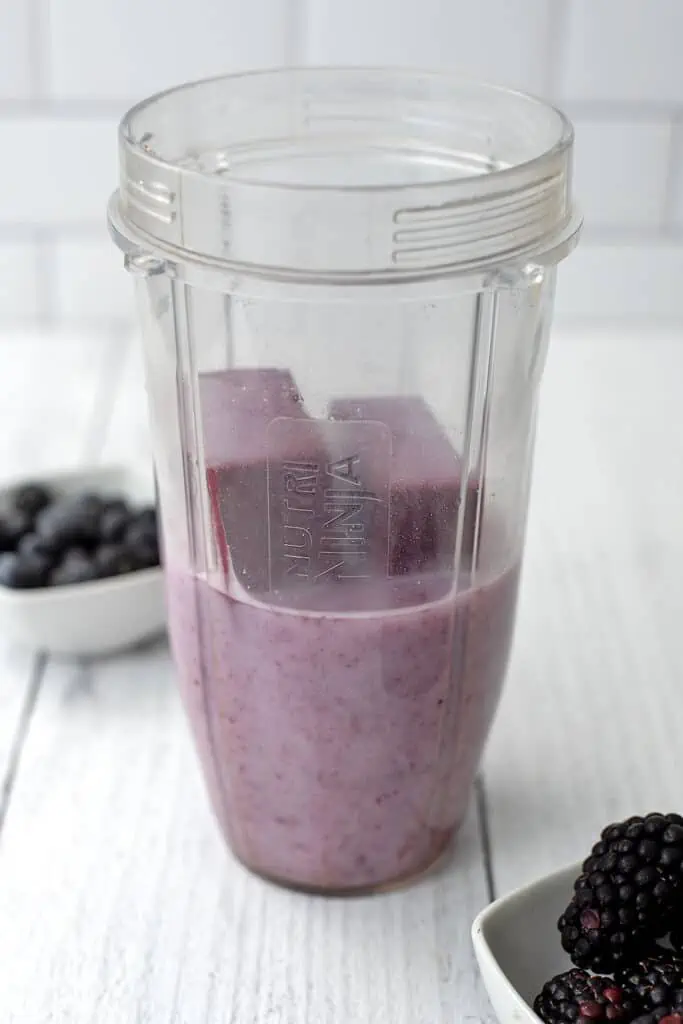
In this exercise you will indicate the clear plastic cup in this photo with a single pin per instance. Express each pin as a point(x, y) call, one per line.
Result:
point(345, 280)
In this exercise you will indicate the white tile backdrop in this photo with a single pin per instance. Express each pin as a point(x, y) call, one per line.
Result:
point(69, 68)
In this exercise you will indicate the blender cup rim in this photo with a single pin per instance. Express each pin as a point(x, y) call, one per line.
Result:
point(345, 174)
point(563, 141)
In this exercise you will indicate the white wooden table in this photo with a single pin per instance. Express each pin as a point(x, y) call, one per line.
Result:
point(118, 903)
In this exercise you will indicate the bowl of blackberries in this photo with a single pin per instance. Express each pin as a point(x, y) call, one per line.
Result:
point(599, 941)
point(79, 562)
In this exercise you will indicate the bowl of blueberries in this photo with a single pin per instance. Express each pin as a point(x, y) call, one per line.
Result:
point(80, 571)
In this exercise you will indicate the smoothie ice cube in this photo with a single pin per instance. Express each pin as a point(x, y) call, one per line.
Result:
point(289, 495)
point(237, 409)
point(426, 479)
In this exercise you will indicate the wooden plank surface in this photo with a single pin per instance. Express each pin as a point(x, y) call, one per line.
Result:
point(148, 919)
point(54, 398)
point(118, 902)
point(587, 729)
point(114, 878)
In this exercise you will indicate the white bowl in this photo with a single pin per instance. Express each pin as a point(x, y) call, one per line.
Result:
point(517, 944)
point(88, 618)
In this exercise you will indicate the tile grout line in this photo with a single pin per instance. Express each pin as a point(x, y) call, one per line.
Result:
point(485, 835)
point(296, 38)
point(45, 279)
point(557, 34)
point(296, 51)
point(38, 58)
point(621, 111)
point(296, 48)
point(620, 234)
point(41, 106)
point(22, 231)
point(674, 164)
point(18, 233)
point(33, 691)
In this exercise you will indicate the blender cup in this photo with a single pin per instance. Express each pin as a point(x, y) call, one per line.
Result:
point(345, 279)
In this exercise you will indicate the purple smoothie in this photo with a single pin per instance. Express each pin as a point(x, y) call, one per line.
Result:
point(340, 716)
point(340, 750)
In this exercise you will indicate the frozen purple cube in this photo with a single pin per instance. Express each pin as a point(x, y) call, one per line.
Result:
point(238, 408)
point(292, 508)
point(426, 481)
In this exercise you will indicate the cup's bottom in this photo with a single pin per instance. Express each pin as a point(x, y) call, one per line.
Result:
point(438, 852)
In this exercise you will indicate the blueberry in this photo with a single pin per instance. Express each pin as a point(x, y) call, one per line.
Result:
point(23, 572)
point(33, 544)
point(113, 560)
point(144, 524)
point(113, 524)
point(148, 516)
point(31, 498)
point(76, 567)
point(70, 521)
point(13, 525)
point(142, 542)
point(145, 554)
point(86, 500)
point(116, 505)
point(6, 539)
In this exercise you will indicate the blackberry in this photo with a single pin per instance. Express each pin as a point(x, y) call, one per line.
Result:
point(662, 1015)
point(576, 996)
point(657, 981)
point(627, 893)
